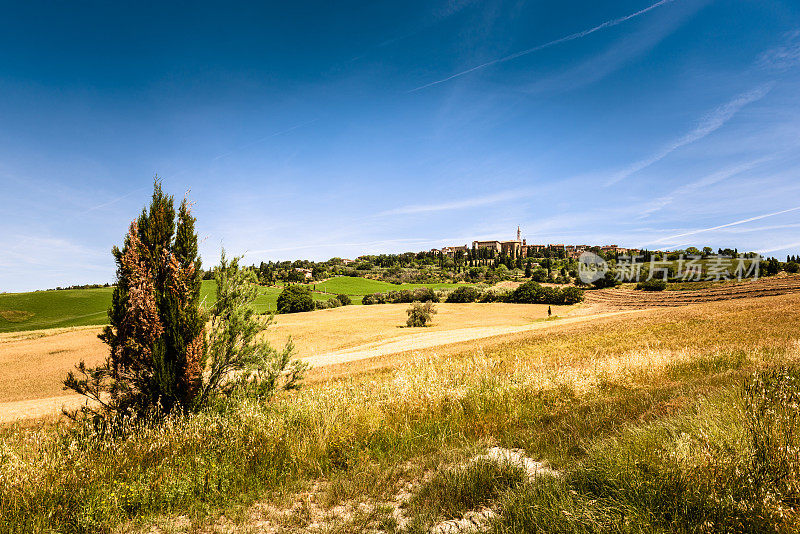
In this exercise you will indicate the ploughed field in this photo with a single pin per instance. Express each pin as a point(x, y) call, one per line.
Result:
point(626, 298)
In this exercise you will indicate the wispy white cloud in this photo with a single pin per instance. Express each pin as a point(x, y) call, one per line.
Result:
point(768, 228)
point(466, 203)
point(571, 37)
point(113, 201)
point(623, 51)
point(785, 246)
point(784, 56)
point(708, 125)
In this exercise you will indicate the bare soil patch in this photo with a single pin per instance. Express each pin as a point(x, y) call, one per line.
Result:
point(15, 316)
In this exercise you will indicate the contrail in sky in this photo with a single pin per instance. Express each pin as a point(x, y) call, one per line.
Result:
point(261, 140)
point(743, 221)
point(572, 37)
point(113, 201)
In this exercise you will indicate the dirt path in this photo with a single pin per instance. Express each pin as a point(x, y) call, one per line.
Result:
point(52, 406)
point(427, 340)
point(39, 408)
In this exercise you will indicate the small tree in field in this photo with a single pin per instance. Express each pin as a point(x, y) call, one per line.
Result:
point(420, 314)
point(238, 360)
point(295, 298)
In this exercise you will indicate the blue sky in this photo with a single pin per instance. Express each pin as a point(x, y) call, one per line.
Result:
point(312, 130)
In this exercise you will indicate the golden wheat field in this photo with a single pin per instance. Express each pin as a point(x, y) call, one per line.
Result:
point(33, 364)
point(379, 441)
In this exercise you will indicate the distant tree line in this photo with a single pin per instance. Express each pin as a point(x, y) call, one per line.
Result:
point(528, 293)
point(81, 286)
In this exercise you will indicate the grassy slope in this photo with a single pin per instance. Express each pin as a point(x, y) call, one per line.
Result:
point(614, 405)
point(53, 309)
point(82, 307)
point(355, 286)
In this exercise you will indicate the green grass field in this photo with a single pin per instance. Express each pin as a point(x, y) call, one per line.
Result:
point(85, 307)
point(53, 309)
point(353, 286)
point(38, 310)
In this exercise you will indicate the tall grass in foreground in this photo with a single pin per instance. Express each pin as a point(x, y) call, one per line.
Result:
point(641, 446)
point(83, 479)
point(730, 467)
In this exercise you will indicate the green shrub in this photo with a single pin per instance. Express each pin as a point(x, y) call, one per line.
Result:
point(464, 294)
point(236, 346)
point(539, 275)
point(791, 267)
point(609, 280)
point(404, 296)
point(295, 298)
point(327, 304)
point(344, 299)
point(373, 298)
point(425, 294)
point(534, 293)
point(494, 295)
point(420, 314)
point(571, 295)
point(652, 285)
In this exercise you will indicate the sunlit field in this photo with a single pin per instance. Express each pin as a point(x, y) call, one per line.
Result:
point(33, 364)
point(652, 421)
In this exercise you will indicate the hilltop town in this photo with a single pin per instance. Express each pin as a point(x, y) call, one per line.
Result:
point(519, 248)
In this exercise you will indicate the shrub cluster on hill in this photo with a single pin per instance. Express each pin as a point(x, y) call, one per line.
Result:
point(83, 286)
point(464, 294)
point(534, 293)
point(405, 296)
point(528, 293)
point(652, 285)
point(335, 302)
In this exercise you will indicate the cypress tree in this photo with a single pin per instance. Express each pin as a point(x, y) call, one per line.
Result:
point(155, 336)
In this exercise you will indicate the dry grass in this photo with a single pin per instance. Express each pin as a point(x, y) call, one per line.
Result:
point(352, 326)
point(555, 393)
point(33, 365)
